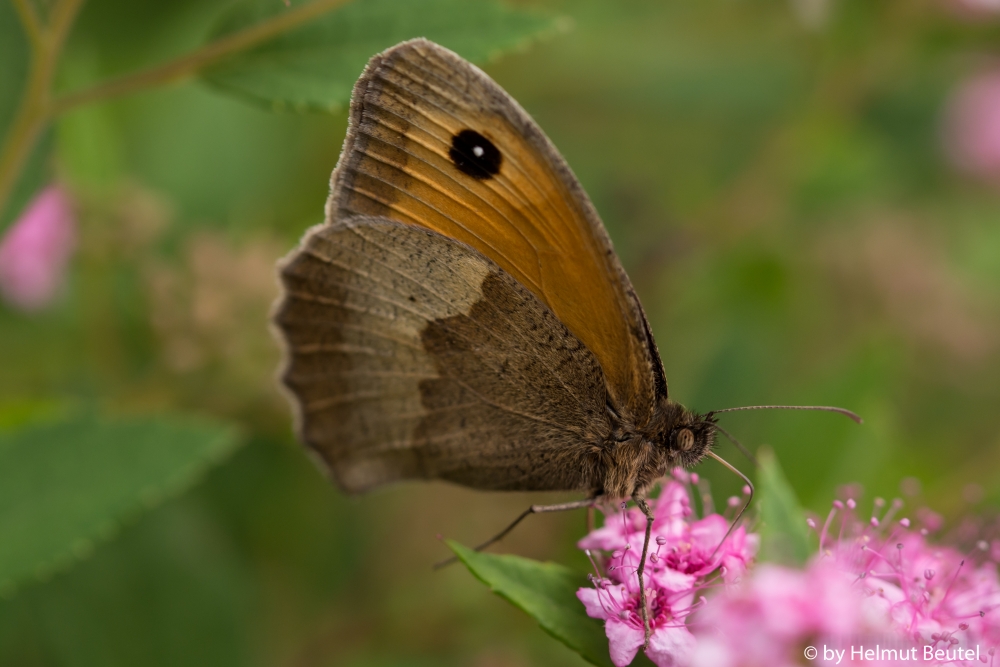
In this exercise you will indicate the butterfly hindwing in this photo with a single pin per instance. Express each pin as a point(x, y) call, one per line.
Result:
point(411, 355)
point(434, 142)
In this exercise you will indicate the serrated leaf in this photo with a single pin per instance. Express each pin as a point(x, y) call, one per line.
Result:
point(547, 593)
point(315, 66)
point(171, 592)
point(784, 534)
point(68, 484)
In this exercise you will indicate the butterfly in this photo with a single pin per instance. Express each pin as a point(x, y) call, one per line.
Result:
point(462, 315)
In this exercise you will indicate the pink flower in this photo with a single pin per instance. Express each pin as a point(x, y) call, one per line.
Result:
point(618, 605)
point(683, 553)
point(35, 250)
point(972, 127)
point(933, 595)
point(777, 612)
point(678, 543)
point(874, 582)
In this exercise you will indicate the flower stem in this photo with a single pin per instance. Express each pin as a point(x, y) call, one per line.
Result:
point(33, 112)
point(37, 108)
point(29, 19)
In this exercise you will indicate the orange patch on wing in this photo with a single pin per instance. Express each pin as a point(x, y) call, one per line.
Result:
point(529, 216)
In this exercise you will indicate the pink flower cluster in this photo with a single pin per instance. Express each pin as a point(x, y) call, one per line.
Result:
point(878, 593)
point(780, 611)
point(686, 556)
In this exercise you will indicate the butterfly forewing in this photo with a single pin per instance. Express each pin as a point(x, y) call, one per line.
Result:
point(436, 143)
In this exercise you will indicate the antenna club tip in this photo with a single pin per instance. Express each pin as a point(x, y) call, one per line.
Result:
point(854, 417)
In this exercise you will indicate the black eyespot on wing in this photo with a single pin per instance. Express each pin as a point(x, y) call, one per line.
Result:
point(475, 155)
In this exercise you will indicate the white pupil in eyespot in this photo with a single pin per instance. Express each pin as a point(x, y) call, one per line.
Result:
point(478, 151)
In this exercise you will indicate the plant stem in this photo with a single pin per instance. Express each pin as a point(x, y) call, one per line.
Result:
point(33, 113)
point(189, 64)
point(37, 108)
point(32, 26)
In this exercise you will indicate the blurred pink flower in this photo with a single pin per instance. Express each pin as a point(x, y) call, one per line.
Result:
point(779, 611)
point(933, 595)
point(683, 553)
point(35, 250)
point(972, 126)
point(877, 583)
point(976, 9)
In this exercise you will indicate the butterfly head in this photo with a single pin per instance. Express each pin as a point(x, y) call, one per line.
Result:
point(691, 438)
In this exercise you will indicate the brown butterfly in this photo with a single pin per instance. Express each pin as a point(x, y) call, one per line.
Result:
point(462, 315)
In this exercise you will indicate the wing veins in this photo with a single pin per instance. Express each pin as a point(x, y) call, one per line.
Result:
point(493, 249)
point(458, 120)
point(444, 140)
point(513, 327)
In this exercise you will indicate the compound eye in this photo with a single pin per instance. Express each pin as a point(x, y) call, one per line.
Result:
point(685, 440)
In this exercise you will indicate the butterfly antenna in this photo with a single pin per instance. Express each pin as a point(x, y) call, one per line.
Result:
point(739, 445)
point(820, 408)
point(743, 509)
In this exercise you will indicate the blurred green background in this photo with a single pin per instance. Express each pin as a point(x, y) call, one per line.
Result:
point(774, 176)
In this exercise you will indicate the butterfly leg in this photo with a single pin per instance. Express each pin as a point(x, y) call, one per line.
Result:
point(643, 602)
point(534, 509)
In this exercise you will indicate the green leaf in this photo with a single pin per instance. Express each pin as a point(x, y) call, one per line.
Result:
point(784, 534)
point(315, 66)
point(547, 593)
point(20, 413)
point(172, 591)
point(67, 484)
point(15, 56)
